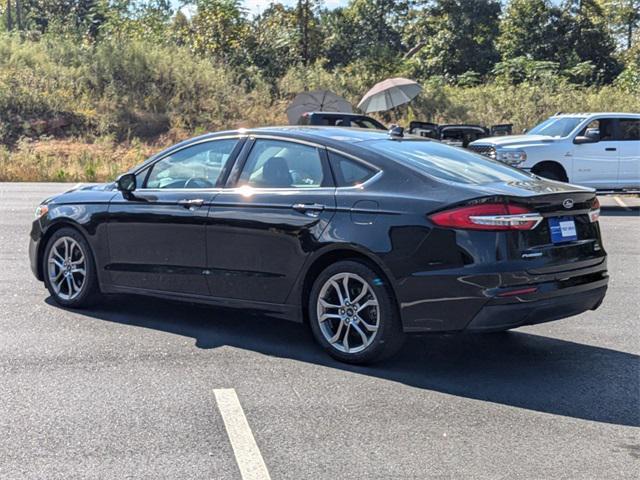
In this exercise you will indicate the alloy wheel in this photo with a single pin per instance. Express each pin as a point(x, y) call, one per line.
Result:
point(348, 312)
point(66, 267)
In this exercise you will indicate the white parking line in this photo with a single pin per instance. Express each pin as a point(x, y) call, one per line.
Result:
point(619, 201)
point(245, 449)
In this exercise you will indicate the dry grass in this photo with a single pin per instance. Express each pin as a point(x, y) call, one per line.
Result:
point(70, 160)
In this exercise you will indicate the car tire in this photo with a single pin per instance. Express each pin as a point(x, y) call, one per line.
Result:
point(69, 269)
point(359, 323)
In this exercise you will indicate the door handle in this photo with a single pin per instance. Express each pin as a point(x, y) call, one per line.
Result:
point(610, 149)
point(306, 207)
point(191, 203)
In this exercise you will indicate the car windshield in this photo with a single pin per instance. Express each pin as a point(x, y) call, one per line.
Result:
point(447, 163)
point(556, 126)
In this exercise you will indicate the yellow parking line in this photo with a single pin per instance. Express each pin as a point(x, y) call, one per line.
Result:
point(245, 449)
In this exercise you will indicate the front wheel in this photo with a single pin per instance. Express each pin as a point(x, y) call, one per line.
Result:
point(550, 174)
point(69, 269)
point(353, 314)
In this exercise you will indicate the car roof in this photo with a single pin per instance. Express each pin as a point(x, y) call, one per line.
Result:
point(332, 136)
point(599, 114)
point(317, 132)
point(341, 114)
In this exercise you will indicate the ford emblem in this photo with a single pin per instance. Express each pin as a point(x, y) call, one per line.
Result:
point(568, 203)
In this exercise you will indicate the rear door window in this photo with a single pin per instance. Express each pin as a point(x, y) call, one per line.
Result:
point(629, 129)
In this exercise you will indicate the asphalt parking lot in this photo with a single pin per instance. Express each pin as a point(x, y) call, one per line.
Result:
point(131, 388)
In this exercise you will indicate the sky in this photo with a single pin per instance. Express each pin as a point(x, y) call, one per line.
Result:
point(255, 7)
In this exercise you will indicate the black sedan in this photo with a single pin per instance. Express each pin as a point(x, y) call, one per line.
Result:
point(365, 235)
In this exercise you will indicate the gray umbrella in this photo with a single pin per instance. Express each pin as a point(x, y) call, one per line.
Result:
point(316, 101)
point(389, 94)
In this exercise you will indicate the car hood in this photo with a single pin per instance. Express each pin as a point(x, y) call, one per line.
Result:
point(91, 186)
point(83, 192)
point(515, 140)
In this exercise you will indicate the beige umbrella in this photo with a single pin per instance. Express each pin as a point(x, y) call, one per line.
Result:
point(316, 101)
point(389, 94)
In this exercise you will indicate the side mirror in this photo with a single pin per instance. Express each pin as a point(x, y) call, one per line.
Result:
point(126, 182)
point(525, 130)
point(580, 139)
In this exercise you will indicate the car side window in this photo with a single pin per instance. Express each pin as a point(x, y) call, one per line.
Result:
point(141, 176)
point(629, 129)
point(197, 166)
point(602, 128)
point(282, 164)
point(349, 172)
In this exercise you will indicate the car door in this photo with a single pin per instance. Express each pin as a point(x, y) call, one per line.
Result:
point(157, 234)
point(596, 164)
point(629, 152)
point(279, 200)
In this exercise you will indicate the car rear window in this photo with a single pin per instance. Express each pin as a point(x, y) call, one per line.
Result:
point(349, 172)
point(447, 163)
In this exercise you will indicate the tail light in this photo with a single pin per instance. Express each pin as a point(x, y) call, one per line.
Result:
point(594, 213)
point(488, 216)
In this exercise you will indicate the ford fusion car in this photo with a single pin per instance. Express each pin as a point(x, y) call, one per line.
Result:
point(365, 235)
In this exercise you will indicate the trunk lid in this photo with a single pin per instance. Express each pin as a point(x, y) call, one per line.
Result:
point(566, 238)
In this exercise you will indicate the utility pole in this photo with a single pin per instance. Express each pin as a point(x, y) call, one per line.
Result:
point(19, 14)
point(9, 19)
point(303, 22)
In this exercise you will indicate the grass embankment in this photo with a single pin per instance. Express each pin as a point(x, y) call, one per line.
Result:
point(71, 111)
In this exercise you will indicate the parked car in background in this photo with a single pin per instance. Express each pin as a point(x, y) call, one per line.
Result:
point(457, 135)
point(598, 150)
point(366, 235)
point(338, 119)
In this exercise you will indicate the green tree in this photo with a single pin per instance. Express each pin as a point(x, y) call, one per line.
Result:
point(534, 29)
point(219, 29)
point(458, 37)
point(273, 43)
point(365, 29)
point(591, 39)
point(623, 20)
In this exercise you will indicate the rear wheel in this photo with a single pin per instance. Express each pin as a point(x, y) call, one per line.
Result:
point(353, 314)
point(69, 269)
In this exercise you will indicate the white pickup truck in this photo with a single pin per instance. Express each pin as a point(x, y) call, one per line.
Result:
point(598, 150)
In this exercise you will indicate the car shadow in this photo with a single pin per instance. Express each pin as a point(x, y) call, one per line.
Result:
point(609, 211)
point(515, 368)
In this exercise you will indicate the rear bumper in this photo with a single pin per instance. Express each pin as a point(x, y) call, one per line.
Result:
point(504, 300)
point(497, 316)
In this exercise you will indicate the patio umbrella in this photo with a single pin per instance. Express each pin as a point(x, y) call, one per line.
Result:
point(389, 94)
point(316, 101)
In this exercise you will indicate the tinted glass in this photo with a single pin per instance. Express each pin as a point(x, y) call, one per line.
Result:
point(280, 164)
point(198, 166)
point(363, 123)
point(349, 172)
point(629, 129)
point(447, 163)
point(556, 127)
point(602, 129)
point(141, 177)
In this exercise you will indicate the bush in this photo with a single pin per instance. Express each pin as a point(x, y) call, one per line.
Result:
point(73, 110)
